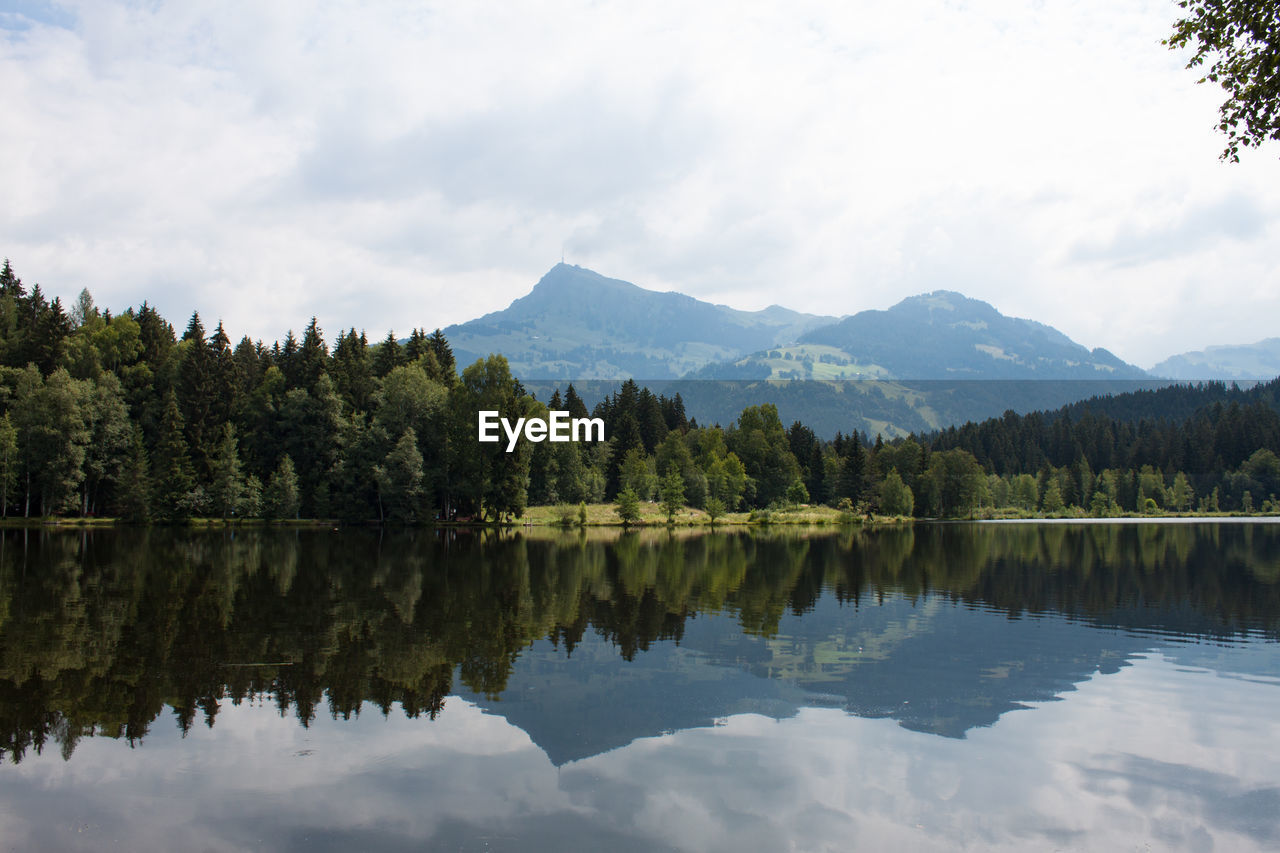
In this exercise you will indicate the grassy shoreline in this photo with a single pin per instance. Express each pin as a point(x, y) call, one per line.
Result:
point(651, 515)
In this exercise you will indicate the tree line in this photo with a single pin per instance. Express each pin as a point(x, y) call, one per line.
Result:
point(118, 415)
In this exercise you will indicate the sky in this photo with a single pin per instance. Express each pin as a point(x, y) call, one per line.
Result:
point(1118, 764)
point(394, 165)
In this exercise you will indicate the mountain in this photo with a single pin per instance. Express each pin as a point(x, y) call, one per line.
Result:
point(940, 335)
point(1248, 361)
point(577, 324)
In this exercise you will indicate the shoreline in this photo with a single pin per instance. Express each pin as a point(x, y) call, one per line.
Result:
point(603, 516)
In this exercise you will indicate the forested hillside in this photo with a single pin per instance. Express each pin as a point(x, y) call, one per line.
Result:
point(119, 416)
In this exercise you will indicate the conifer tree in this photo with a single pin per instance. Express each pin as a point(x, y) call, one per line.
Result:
point(133, 496)
point(444, 356)
point(9, 463)
point(281, 499)
point(399, 479)
point(227, 486)
point(388, 356)
point(200, 400)
point(313, 357)
point(173, 477)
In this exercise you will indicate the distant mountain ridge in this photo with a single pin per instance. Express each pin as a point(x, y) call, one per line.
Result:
point(578, 324)
point(1246, 361)
point(940, 335)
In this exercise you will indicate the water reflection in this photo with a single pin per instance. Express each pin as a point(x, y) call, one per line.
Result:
point(588, 641)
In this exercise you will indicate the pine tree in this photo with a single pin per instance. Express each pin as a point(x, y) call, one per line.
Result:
point(313, 357)
point(416, 347)
point(573, 403)
point(173, 477)
point(200, 399)
point(9, 464)
point(388, 356)
point(10, 284)
point(399, 479)
point(227, 486)
point(444, 357)
point(281, 499)
point(286, 358)
point(852, 471)
point(133, 496)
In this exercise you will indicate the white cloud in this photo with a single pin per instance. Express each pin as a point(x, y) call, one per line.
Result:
point(405, 164)
point(1121, 760)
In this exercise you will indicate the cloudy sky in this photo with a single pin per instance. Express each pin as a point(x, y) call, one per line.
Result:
point(1119, 764)
point(399, 165)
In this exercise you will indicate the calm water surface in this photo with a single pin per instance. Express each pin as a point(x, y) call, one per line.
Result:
point(1019, 687)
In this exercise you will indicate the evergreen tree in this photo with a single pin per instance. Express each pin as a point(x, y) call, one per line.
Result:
point(352, 371)
point(573, 403)
point(110, 440)
point(9, 464)
point(388, 356)
point(852, 472)
point(444, 358)
point(227, 487)
point(416, 347)
point(399, 478)
point(176, 493)
point(201, 400)
point(133, 497)
point(281, 499)
point(286, 358)
point(313, 357)
point(10, 284)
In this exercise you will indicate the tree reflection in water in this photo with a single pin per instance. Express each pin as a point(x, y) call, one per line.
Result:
point(100, 631)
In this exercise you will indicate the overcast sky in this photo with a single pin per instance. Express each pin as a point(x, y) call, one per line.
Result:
point(401, 165)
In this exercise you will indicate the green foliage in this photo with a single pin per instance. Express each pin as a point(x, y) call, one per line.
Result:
point(895, 496)
point(672, 491)
point(714, 508)
point(952, 483)
point(638, 473)
point(228, 484)
point(1052, 502)
point(9, 462)
point(399, 478)
point(1182, 494)
point(172, 476)
point(627, 507)
point(1239, 42)
point(103, 413)
point(281, 500)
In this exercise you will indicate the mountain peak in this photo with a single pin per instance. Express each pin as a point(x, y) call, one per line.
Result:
point(576, 323)
point(945, 335)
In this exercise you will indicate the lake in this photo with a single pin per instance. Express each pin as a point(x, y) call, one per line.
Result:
point(926, 687)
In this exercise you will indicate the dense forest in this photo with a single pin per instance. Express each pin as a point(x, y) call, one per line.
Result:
point(119, 416)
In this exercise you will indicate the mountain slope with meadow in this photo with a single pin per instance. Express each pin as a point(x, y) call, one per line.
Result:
point(577, 324)
point(935, 336)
